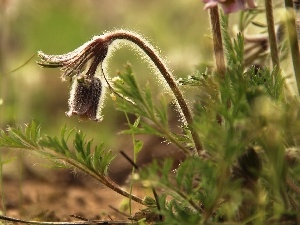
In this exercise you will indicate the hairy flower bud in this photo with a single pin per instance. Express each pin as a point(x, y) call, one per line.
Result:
point(85, 98)
point(81, 65)
point(75, 62)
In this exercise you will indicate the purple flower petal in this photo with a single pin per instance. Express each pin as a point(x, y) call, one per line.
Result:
point(230, 6)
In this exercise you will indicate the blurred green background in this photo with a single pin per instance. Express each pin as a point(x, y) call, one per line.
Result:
point(178, 28)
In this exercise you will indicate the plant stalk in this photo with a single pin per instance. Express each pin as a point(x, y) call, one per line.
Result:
point(293, 40)
point(135, 167)
point(217, 40)
point(272, 34)
point(158, 62)
point(106, 181)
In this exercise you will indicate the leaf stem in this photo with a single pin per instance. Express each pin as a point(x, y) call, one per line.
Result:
point(105, 180)
point(158, 62)
point(101, 178)
point(135, 166)
point(164, 130)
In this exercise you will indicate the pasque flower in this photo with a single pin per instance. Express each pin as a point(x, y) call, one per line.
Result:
point(85, 98)
point(86, 92)
point(75, 62)
point(230, 6)
point(81, 65)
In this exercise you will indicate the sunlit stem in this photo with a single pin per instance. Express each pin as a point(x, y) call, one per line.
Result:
point(272, 34)
point(218, 45)
point(149, 50)
point(217, 41)
point(293, 40)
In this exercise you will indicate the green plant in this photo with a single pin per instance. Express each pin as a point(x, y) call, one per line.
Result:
point(241, 143)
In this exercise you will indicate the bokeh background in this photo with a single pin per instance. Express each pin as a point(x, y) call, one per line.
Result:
point(179, 29)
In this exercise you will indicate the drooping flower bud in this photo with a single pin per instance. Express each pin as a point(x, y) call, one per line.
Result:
point(81, 65)
point(75, 62)
point(95, 51)
point(85, 98)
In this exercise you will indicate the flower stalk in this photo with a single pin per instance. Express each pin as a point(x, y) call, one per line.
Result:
point(293, 40)
point(74, 65)
point(272, 34)
point(152, 54)
point(217, 40)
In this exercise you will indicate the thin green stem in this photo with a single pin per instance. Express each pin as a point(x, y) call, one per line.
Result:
point(160, 127)
point(168, 135)
point(163, 129)
point(217, 41)
point(158, 62)
point(184, 197)
point(272, 34)
point(101, 178)
point(105, 180)
point(133, 163)
point(135, 167)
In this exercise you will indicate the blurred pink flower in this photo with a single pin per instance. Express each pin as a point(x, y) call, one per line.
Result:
point(230, 6)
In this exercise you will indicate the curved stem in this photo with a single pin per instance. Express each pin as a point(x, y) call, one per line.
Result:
point(153, 55)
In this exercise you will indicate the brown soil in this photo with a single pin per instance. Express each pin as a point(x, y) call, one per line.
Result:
point(56, 198)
